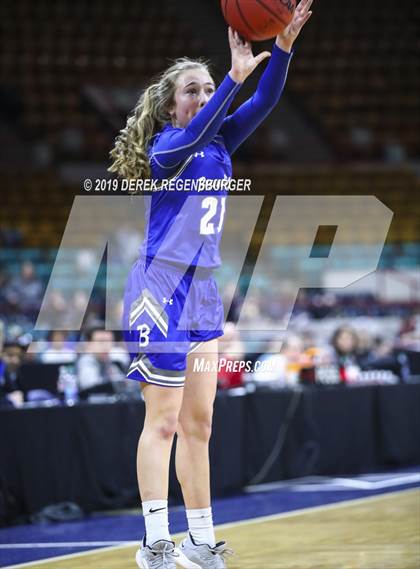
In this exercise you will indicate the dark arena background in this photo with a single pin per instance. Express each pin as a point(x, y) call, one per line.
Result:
point(315, 450)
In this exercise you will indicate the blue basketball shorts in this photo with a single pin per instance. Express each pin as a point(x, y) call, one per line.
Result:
point(168, 313)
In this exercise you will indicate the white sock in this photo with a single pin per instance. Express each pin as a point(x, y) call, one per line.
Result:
point(155, 514)
point(200, 525)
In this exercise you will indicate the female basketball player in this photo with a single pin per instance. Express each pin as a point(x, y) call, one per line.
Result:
point(180, 130)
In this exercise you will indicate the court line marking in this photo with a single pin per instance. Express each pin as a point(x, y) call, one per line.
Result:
point(326, 483)
point(63, 544)
point(359, 484)
point(229, 525)
point(323, 508)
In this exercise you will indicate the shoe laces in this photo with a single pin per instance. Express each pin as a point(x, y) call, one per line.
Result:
point(222, 550)
point(165, 557)
point(217, 553)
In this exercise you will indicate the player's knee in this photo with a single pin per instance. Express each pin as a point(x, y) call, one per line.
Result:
point(197, 426)
point(168, 426)
point(163, 427)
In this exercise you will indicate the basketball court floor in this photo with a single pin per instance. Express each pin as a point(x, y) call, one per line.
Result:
point(365, 522)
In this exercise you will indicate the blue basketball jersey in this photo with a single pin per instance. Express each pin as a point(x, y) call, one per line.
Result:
point(185, 226)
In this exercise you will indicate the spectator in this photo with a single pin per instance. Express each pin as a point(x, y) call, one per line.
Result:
point(345, 343)
point(59, 349)
point(409, 334)
point(385, 356)
point(54, 310)
point(282, 363)
point(101, 363)
point(231, 352)
point(11, 359)
point(24, 292)
point(346, 353)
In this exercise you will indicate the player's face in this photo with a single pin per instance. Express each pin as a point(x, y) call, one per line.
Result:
point(194, 88)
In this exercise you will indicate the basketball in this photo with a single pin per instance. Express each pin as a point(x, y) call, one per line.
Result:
point(258, 20)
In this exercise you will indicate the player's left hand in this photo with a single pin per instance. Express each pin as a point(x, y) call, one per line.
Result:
point(302, 14)
point(243, 60)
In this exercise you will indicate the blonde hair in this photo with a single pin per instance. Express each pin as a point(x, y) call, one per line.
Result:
point(151, 113)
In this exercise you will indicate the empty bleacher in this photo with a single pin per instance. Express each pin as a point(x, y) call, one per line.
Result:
point(42, 215)
point(355, 77)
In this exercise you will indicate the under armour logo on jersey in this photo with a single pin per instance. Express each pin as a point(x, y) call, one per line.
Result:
point(168, 301)
point(201, 154)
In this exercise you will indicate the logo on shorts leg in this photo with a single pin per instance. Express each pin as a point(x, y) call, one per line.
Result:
point(169, 301)
point(146, 303)
point(144, 332)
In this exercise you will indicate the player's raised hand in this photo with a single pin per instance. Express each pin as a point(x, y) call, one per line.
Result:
point(302, 14)
point(243, 60)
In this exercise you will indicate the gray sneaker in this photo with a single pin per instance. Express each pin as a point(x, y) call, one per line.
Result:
point(196, 556)
point(159, 555)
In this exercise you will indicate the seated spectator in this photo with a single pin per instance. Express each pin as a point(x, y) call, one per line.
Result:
point(101, 362)
point(231, 352)
point(387, 354)
point(54, 310)
point(348, 352)
point(24, 292)
point(11, 359)
point(59, 350)
point(282, 362)
point(345, 344)
point(409, 334)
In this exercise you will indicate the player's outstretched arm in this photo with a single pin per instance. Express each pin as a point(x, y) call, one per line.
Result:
point(174, 147)
point(240, 125)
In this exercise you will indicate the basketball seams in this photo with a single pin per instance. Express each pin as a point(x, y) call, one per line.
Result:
point(259, 20)
point(225, 9)
point(245, 21)
point(270, 11)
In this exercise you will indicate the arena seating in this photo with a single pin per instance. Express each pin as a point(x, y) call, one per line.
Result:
point(42, 216)
point(355, 80)
point(44, 62)
point(356, 76)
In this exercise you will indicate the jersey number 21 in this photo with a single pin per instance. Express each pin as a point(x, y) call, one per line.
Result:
point(208, 221)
